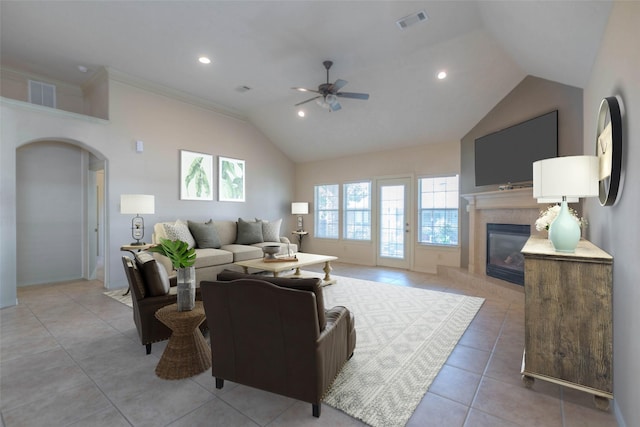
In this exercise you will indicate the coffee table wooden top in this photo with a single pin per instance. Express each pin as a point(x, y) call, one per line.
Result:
point(303, 259)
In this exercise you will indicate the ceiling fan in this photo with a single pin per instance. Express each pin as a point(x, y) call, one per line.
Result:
point(328, 93)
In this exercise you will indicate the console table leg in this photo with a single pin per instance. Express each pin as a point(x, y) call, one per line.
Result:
point(528, 381)
point(602, 403)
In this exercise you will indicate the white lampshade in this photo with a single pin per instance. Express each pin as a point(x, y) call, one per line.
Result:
point(570, 176)
point(299, 208)
point(562, 178)
point(137, 204)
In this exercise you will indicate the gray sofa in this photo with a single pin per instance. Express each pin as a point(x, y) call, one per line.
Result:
point(219, 244)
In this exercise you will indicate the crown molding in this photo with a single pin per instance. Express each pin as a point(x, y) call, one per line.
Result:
point(159, 89)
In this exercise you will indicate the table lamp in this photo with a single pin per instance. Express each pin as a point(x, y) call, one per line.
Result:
point(560, 179)
point(299, 208)
point(137, 204)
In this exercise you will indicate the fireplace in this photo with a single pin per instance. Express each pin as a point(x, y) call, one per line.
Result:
point(504, 260)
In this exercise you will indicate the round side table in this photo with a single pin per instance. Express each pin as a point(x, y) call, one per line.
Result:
point(187, 353)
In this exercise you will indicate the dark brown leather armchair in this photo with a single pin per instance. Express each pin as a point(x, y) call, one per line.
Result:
point(149, 295)
point(274, 334)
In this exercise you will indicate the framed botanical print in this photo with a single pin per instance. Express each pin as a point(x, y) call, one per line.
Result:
point(196, 176)
point(231, 179)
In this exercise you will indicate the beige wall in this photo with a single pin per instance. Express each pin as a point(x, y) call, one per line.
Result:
point(531, 98)
point(616, 229)
point(413, 162)
point(15, 85)
point(166, 126)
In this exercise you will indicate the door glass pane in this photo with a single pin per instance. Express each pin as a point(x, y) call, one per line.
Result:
point(392, 221)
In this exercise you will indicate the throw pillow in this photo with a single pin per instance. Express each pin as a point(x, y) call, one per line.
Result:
point(179, 231)
point(271, 230)
point(154, 274)
point(205, 235)
point(249, 232)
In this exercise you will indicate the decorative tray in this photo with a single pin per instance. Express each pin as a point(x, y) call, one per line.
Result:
point(289, 259)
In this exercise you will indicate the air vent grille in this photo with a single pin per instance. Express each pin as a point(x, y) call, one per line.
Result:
point(412, 19)
point(42, 93)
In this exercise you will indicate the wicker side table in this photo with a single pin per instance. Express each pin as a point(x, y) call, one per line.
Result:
point(187, 353)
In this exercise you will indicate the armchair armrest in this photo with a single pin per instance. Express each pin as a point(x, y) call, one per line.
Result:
point(173, 279)
point(334, 344)
point(285, 240)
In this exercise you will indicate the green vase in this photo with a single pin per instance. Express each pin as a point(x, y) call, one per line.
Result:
point(564, 231)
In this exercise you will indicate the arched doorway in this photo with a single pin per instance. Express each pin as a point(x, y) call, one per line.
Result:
point(60, 211)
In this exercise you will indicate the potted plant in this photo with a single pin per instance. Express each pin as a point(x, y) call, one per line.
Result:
point(182, 259)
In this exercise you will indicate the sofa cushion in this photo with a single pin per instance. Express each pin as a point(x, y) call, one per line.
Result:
point(155, 276)
point(227, 231)
point(271, 230)
point(205, 234)
point(303, 284)
point(179, 231)
point(243, 252)
point(249, 232)
point(209, 257)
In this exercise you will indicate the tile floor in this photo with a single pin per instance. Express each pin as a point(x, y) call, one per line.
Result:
point(70, 356)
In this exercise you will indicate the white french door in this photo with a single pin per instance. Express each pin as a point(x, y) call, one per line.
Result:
point(394, 219)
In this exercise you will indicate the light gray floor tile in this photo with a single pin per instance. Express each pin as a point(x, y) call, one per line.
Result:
point(70, 355)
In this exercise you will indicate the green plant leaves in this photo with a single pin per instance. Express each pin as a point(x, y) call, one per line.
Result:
point(177, 251)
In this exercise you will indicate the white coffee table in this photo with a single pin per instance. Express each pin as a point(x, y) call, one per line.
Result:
point(303, 260)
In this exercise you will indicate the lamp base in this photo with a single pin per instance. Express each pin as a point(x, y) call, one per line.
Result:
point(564, 231)
point(137, 243)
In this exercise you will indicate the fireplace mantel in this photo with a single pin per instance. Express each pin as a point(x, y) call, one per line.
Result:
point(519, 198)
point(515, 206)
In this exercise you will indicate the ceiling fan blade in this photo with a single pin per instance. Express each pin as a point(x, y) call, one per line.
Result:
point(302, 89)
point(308, 100)
point(339, 84)
point(353, 95)
point(335, 106)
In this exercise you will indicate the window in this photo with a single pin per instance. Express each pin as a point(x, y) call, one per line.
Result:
point(327, 208)
point(438, 210)
point(357, 211)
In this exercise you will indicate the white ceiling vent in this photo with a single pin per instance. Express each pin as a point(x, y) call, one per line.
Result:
point(42, 93)
point(412, 19)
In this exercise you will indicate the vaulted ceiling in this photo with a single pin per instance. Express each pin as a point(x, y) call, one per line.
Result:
point(486, 48)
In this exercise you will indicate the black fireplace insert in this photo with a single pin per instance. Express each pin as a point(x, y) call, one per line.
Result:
point(504, 243)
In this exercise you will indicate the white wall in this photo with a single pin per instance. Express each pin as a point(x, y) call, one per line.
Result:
point(166, 126)
point(49, 184)
point(415, 162)
point(617, 229)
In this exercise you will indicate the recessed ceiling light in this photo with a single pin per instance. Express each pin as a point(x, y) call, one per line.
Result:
point(301, 113)
point(442, 75)
point(204, 60)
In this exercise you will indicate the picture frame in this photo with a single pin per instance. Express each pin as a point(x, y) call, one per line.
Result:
point(231, 179)
point(196, 176)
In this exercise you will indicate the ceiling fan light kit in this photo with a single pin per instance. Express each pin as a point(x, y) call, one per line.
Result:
point(328, 93)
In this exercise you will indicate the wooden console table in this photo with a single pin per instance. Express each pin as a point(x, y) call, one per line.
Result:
point(569, 318)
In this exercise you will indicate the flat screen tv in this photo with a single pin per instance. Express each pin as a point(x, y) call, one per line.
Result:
point(507, 156)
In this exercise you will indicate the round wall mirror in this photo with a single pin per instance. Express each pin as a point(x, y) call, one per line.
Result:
point(609, 149)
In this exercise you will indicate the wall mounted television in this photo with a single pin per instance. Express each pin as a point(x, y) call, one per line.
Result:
point(507, 156)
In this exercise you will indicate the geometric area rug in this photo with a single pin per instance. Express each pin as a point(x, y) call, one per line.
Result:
point(403, 338)
point(118, 295)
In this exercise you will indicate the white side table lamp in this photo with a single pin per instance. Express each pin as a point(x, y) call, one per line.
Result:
point(559, 179)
